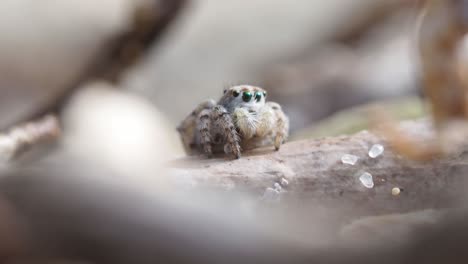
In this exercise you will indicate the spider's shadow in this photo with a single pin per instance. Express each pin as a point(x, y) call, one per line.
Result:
point(259, 151)
point(204, 160)
point(248, 153)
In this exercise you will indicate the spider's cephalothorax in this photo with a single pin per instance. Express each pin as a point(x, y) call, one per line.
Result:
point(241, 119)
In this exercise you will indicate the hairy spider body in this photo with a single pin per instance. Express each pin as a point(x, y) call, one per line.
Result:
point(240, 120)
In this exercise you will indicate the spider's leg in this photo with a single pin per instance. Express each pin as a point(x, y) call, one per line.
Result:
point(225, 122)
point(204, 127)
point(282, 124)
point(266, 121)
point(187, 128)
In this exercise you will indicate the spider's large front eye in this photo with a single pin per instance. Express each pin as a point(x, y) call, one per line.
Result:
point(258, 96)
point(235, 93)
point(246, 96)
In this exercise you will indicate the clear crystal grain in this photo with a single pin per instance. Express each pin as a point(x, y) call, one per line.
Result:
point(366, 180)
point(376, 150)
point(349, 159)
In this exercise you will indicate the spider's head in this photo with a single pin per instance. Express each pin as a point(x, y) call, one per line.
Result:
point(245, 96)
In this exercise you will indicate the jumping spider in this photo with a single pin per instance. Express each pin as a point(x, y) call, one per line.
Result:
point(241, 119)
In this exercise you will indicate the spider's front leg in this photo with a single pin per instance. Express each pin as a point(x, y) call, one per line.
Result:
point(204, 128)
point(224, 122)
point(280, 125)
point(266, 121)
point(188, 127)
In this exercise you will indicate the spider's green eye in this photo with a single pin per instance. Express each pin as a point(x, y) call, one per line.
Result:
point(235, 93)
point(246, 96)
point(264, 94)
point(258, 96)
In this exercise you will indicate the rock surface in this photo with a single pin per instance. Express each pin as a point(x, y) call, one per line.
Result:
point(316, 174)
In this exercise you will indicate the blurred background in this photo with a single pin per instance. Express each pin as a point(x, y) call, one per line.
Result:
point(121, 74)
point(314, 58)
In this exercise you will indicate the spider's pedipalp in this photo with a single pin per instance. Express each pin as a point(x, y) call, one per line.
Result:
point(246, 122)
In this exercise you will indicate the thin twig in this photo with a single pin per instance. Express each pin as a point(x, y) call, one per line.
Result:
point(26, 135)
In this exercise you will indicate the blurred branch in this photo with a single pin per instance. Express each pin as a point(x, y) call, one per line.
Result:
point(109, 50)
point(316, 173)
point(149, 22)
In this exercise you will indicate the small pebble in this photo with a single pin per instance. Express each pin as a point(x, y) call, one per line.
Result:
point(284, 182)
point(396, 191)
point(349, 159)
point(376, 150)
point(366, 180)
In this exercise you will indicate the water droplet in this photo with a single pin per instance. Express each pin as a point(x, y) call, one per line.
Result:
point(349, 159)
point(271, 195)
point(396, 191)
point(284, 182)
point(376, 150)
point(366, 180)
